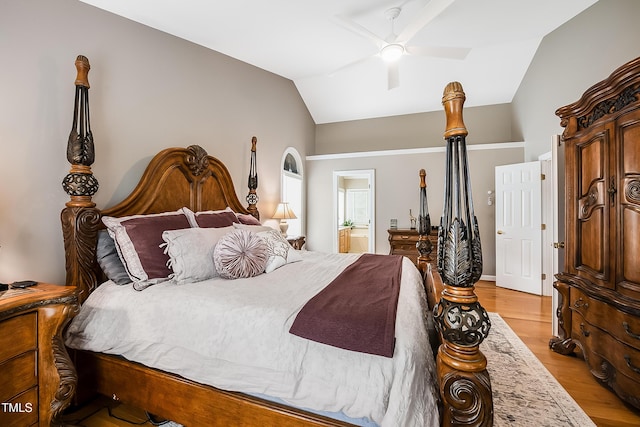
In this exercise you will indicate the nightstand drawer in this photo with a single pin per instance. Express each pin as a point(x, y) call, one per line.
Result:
point(22, 375)
point(21, 411)
point(17, 335)
point(33, 367)
point(402, 249)
point(404, 238)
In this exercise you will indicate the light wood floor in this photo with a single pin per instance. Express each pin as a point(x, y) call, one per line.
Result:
point(530, 318)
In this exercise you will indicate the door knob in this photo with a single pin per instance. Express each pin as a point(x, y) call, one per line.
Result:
point(500, 232)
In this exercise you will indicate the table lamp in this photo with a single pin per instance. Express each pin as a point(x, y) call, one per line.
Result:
point(283, 213)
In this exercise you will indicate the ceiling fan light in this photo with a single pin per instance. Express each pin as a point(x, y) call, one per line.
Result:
point(392, 52)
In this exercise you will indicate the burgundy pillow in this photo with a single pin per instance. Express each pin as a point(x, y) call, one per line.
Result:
point(138, 239)
point(211, 219)
point(248, 219)
point(215, 220)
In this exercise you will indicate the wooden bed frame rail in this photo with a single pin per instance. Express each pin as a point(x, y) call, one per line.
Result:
point(190, 177)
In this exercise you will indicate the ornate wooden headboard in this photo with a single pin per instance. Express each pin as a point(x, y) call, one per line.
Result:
point(174, 178)
point(178, 177)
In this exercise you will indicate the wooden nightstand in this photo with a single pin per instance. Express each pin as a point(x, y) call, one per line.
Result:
point(402, 241)
point(297, 242)
point(38, 379)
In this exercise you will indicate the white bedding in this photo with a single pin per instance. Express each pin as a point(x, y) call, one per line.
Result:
point(234, 335)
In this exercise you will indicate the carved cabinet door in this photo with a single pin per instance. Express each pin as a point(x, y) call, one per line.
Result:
point(627, 201)
point(589, 172)
point(603, 167)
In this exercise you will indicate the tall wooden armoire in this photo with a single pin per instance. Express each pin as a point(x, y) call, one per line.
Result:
point(600, 285)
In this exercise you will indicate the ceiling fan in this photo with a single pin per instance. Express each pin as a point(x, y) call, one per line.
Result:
point(394, 46)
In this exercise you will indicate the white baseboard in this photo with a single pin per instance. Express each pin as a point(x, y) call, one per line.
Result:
point(488, 278)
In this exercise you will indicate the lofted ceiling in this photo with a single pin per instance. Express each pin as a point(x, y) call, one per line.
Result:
point(326, 47)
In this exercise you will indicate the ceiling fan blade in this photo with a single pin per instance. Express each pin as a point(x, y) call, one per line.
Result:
point(438, 51)
point(354, 27)
point(426, 15)
point(350, 64)
point(393, 75)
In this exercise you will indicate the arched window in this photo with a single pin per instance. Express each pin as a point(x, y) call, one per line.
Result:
point(292, 189)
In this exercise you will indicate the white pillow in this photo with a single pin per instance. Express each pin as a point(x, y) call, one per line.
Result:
point(191, 251)
point(279, 250)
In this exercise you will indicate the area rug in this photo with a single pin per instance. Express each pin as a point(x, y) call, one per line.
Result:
point(524, 391)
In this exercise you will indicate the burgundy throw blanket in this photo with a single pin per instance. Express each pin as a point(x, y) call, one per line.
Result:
point(357, 310)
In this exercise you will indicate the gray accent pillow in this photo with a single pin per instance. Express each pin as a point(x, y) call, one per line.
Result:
point(240, 253)
point(190, 252)
point(109, 260)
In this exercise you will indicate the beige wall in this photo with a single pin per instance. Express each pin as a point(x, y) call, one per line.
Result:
point(571, 59)
point(397, 190)
point(148, 91)
point(487, 124)
point(397, 180)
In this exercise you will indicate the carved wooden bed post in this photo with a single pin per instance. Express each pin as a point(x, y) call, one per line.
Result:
point(424, 226)
point(80, 218)
point(462, 322)
point(252, 197)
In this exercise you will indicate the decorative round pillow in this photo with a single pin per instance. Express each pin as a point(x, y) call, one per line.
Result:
point(240, 253)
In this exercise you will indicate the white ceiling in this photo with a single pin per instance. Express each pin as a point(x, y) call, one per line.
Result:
point(303, 40)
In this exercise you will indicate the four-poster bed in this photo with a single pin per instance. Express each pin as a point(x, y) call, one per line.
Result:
point(179, 178)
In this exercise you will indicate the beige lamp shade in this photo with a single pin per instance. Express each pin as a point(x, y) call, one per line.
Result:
point(283, 213)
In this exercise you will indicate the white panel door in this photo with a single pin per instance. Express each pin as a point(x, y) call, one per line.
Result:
point(557, 158)
point(518, 227)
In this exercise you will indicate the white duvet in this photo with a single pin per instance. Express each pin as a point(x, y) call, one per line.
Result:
point(234, 335)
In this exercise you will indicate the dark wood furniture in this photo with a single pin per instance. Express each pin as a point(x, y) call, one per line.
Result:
point(600, 284)
point(179, 177)
point(37, 377)
point(402, 241)
point(296, 242)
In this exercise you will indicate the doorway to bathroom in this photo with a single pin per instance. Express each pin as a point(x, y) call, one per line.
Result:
point(354, 211)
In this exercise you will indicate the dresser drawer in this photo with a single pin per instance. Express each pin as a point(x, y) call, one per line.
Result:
point(620, 325)
point(601, 345)
point(18, 374)
point(21, 411)
point(17, 335)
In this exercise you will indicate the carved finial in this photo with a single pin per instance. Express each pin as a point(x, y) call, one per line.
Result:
point(80, 183)
point(254, 141)
point(453, 100)
point(83, 67)
point(423, 178)
point(197, 159)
